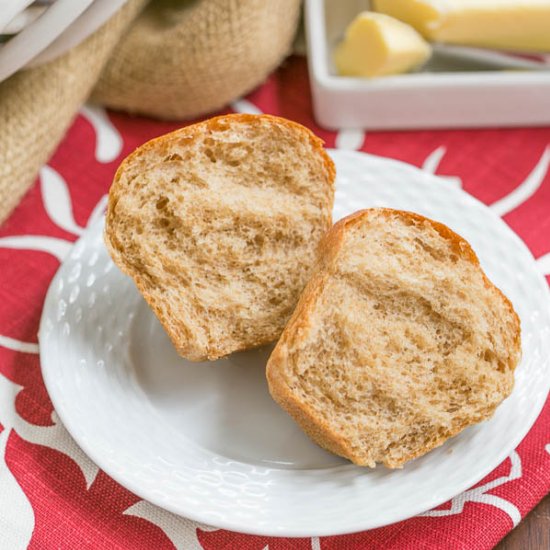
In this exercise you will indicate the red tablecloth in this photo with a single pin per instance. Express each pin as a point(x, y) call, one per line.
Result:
point(52, 496)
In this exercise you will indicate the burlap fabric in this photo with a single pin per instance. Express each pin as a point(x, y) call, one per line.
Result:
point(179, 59)
point(185, 59)
point(38, 105)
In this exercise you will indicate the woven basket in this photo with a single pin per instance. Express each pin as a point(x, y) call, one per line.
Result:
point(175, 59)
point(181, 62)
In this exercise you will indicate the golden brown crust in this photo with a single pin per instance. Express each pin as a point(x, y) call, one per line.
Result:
point(162, 145)
point(190, 133)
point(318, 429)
point(305, 417)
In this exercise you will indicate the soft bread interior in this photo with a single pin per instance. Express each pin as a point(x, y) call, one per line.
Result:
point(398, 343)
point(219, 225)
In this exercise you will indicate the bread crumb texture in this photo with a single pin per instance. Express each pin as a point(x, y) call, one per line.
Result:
point(218, 224)
point(399, 341)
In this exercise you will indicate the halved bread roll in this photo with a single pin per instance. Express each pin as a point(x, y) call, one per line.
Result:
point(218, 224)
point(399, 341)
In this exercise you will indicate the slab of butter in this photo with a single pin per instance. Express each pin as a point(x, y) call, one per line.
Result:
point(522, 25)
point(376, 45)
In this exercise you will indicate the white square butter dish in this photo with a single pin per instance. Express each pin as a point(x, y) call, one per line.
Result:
point(447, 93)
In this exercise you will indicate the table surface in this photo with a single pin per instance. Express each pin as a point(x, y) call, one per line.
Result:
point(533, 533)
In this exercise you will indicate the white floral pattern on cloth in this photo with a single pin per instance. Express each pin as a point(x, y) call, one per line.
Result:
point(57, 193)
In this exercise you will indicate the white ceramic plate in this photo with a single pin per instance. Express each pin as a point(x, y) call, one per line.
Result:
point(10, 9)
point(206, 441)
point(86, 24)
point(34, 38)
